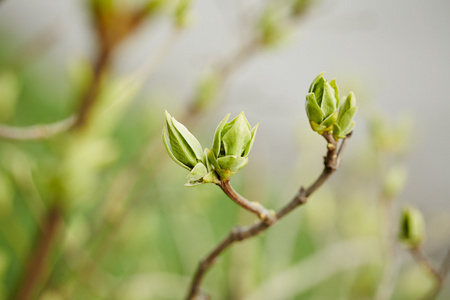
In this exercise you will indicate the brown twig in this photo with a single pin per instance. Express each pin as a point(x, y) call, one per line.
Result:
point(254, 207)
point(39, 259)
point(423, 261)
point(331, 163)
point(438, 275)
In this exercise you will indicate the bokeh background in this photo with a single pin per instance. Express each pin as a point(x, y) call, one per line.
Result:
point(133, 231)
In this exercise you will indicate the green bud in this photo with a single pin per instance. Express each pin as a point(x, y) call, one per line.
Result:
point(154, 6)
point(300, 6)
point(181, 145)
point(271, 28)
point(411, 227)
point(394, 181)
point(232, 144)
point(321, 104)
point(345, 123)
point(182, 13)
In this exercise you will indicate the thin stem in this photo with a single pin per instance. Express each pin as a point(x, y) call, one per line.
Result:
point(36, 132)
point(423, 261)
point(254, 207)
point(443, 272)
point(242, 233)
point(93, 91)
point(445, 266)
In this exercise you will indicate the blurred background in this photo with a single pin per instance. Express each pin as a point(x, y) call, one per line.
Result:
point(98, 201)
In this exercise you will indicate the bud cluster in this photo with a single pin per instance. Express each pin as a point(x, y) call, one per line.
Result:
point(228, 155)
point(324, 112)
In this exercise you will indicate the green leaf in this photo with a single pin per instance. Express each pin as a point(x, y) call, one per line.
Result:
point(349, 102)
point(330, 121)
point(193, 143)
point(317, 127)
point(232, 163)
point(197, 173)
point(237, 137)
point(210, 177)
point(208, 164)
point(313, 111)
point(165, 139)
point(318, 90)
point(333, 84)
point(329, 101)
point(212, 160)
point(318, 77)
point(218, 136)
point(346, 119)
point(347, 130)
point(336, 131)
point(178, 145)
point(252, 140)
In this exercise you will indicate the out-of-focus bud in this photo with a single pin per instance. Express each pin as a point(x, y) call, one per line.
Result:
point(232, 144)
point(412, 231)
point(207, 90)
point(182, 13)
point(152, 7)
point(321, 105)
point(345, 123)
point(298, 7)
point(271, 28)
point(180, 144)
point(394, 181)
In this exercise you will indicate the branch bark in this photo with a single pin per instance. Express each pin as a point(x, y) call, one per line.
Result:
point(331, 163)
point(263, 213)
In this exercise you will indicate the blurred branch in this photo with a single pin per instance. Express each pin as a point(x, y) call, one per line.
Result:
point(108, 38)
point(331, 163)
point(36, 132)
point(338, 257)
point(424, 262)
point(438, 275)
point(37, 264)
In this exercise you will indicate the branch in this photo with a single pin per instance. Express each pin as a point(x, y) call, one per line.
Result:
point(254, 207)
point(438, 275)
point(331, 163)
point(423, 261)
point(37, 264)
point(36, 132)
point(93, 90)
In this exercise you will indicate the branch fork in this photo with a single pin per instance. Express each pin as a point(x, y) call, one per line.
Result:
point(268, 218)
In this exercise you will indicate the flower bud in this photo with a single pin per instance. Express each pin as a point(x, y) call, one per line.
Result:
point(345, 123)
point(411, 227)
point(322, 102)
point(180, 144)
point(232, 143)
